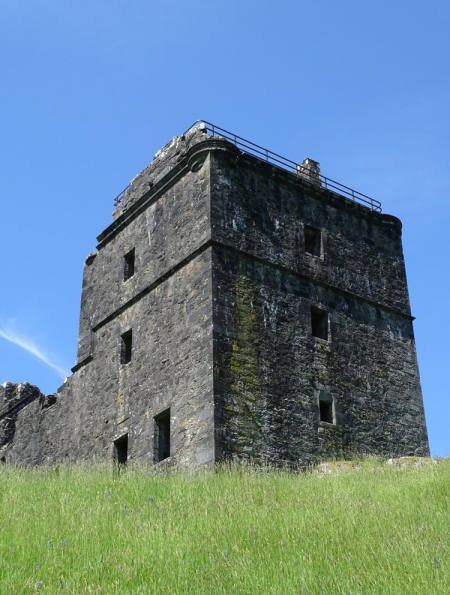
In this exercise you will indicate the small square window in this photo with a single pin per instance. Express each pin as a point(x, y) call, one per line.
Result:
point(121, 450)
point(319, 323)
point(126, 347)
point(162, 436)
point(128, 265)
point(326, 403)
point(326, 411)
point(313, 241)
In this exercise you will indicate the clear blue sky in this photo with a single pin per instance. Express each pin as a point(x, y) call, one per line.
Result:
point(90, 90)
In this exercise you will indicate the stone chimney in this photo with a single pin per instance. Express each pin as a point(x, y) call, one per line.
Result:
point(310, 170)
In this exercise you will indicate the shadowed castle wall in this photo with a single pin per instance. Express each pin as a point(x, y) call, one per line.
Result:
point(270, 371)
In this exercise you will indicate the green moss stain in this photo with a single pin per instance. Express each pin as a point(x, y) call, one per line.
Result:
point(245, 409)
point(328, 370)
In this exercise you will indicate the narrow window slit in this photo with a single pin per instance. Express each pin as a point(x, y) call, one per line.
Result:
point(128, 265)
point(126, 347)
point(162, 436)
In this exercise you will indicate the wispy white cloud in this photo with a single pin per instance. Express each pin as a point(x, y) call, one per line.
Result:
point(8, 332)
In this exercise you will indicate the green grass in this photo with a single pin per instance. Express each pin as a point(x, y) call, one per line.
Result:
point(377, 530)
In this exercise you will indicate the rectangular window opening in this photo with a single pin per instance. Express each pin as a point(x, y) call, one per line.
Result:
point(121, 450)
point(162, 436)
point(313, 241)
point(326, 411)
point(128, 265)
point(125, 347)
point(319, 323)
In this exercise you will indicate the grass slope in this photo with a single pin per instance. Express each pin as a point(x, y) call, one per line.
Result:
point(379, 530)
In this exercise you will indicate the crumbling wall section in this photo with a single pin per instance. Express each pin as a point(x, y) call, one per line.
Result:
point(164, 161)
point(13, 399)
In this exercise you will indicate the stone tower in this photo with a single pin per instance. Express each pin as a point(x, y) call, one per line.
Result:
point(239, 305)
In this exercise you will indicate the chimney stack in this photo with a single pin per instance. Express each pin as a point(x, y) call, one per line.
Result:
point(310, 170)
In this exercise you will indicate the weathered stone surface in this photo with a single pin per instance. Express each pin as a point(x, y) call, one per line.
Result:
point(14, 398)
point(217, 319)
point(271, 370)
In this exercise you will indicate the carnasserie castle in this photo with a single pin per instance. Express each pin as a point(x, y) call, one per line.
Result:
point(239, 306)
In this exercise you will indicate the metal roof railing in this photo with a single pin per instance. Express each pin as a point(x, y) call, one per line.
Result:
point(281, 162)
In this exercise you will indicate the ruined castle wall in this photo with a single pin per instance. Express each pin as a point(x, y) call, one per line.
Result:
point(171, 226)
point(270, 371)
point(14, 398)
point(171, 367)
point(166, 161)
point(263, 211)
point(230, 257)
point(167, 305)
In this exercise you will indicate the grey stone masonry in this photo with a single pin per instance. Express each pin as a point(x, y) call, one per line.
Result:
point(232, 310)
point(14, 398)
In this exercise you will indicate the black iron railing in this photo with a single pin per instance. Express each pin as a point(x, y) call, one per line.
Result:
point(119, 197)
point(263, 154)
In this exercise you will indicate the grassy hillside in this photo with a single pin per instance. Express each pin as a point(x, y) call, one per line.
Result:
point(376, 530)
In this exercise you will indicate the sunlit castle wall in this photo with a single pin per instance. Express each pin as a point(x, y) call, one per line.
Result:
point(234, 309)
